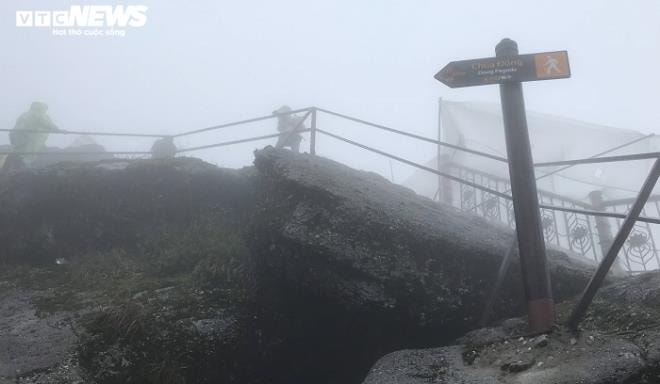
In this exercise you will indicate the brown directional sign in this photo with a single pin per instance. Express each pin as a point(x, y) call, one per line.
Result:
point(497, 70)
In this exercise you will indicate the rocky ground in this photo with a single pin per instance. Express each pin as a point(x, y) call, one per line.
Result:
point(33, 342)
point(298, 269)
point(619, 342)
point(163, 313)
point(126, 272)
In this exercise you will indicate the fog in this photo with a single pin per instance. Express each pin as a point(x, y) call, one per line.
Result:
point(300, 270)
point(197, 64)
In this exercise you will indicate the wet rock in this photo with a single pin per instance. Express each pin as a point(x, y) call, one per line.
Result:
point(601, 353)
point(412, 272)
point(518, 365)
point(32, 342)
point(540, 341)
point(364, 241)
point(599, 364)
point(509, 329)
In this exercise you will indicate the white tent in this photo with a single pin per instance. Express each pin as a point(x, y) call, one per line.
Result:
point(479, 126)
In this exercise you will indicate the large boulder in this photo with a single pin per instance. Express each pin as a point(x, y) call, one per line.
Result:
point(376, 267)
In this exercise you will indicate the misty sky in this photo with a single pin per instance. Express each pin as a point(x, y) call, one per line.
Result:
point(200, 63)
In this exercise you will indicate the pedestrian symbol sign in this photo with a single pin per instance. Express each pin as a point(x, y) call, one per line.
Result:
point(552, 64)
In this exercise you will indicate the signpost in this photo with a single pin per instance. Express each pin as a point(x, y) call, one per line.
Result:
point(509, 69)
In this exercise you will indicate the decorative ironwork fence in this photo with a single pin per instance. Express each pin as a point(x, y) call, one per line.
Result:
point(586, 235)
point(640, 250)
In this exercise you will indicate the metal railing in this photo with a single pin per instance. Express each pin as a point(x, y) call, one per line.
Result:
point(585, 228)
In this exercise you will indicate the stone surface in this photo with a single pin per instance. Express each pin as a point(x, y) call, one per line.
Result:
point(32, 342)
point(368, 267)
point(358, 239)
point(618, 343)
point(610, 360)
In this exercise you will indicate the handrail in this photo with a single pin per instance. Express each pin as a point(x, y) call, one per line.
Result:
point(611, 203)
point(226, 125)
point(599, 154)
point(589, 212)
point(591, 160)
point(456, 147)
point(608, 159)
point(439, 173)
point(485, 189)
point(88, 133)
point(225, 143)
point(64, 153)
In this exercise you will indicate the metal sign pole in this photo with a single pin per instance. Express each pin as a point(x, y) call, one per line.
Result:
point(536, 279)
point(509, 70)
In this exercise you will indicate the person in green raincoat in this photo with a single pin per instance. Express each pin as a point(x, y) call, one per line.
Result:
point(29, 135)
